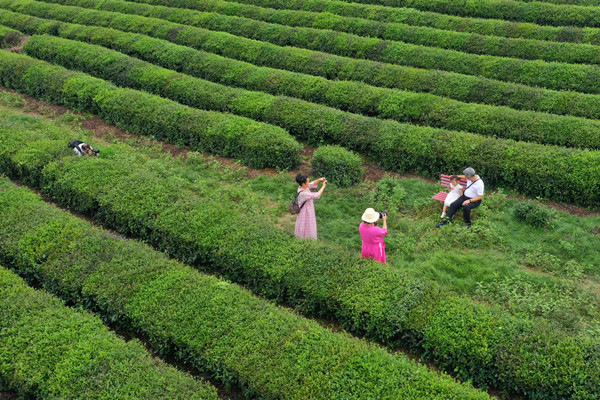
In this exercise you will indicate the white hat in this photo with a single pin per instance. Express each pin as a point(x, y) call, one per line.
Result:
point(370, 215)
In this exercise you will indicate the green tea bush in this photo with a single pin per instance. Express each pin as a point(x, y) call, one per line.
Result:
point(534, 214)
point(51, 351)
point(412, 16)
point(351, 96)
point(213, 325)
point(256, 144)
point(538, 12)
point(578, 77)
point(425, 36)
point(285, 112)
point(340, 166)
point(217, 228)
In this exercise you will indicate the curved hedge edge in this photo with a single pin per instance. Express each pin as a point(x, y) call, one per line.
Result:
point(208, 322)
point(257, 144)
point(412, 16)
point(51, 351)
point(461, 87)
point(217, 233)
point(530, 49)
point(552, 75)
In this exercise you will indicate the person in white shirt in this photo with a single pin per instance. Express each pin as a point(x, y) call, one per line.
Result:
point(470, 199)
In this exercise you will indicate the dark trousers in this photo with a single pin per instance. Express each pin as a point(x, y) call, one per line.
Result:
point(466, 209)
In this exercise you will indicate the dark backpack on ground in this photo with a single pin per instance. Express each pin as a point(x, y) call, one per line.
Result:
point(294, 206)
point(74, 143)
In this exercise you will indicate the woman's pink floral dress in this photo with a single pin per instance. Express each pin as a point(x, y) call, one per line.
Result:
point(306, 224)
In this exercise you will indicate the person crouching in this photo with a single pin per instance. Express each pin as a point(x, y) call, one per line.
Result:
point(373, 245)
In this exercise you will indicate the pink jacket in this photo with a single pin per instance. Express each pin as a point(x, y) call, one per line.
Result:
point(373, 245)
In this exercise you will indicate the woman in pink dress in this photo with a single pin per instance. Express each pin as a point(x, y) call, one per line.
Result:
point(373, 245)
point(306, 223)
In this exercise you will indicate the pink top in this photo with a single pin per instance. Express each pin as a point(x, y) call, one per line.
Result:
point(306, 223)
point(373, 245)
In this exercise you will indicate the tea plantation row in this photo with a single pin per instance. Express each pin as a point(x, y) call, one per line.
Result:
point(425, 36)
point(50, 351)
point(461, 87)
point(560, 76)
point(402, 106)
point(412, 16)
point(352, 96)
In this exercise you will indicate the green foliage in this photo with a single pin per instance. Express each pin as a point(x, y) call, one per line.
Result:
point(11, 99)
point(425, 36)
point(9, 37)
point(351, 96)
point(213, 325)
point(414, 17)
point(338, 165)
point(537, 12)
point(256, 144)
point(562, 303)
point(394, 146)
point(534, 214)
point(227, 230)
point(578, 77)
point(291, 114)
point(389, 194)
point(50, 351)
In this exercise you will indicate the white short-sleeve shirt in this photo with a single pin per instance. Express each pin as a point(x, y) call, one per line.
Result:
point(474, 189)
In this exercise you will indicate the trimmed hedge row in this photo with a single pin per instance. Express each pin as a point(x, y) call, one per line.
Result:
point(424, 36)
point(50, 351)
point(256, 144)
point(575, 2)
point(527, 167)
point(9, 37)
point(213, 230)
point(354, 97)
point(423, 109)
point(210, 323)
point(579, 77)
point(411, 16)
point(536, 12)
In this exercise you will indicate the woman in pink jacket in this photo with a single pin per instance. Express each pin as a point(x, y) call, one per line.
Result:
point(373, 245)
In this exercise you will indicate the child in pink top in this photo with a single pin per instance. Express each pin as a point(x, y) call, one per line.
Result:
point(373, 245)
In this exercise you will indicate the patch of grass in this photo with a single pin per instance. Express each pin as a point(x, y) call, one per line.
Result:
point(10, 99)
